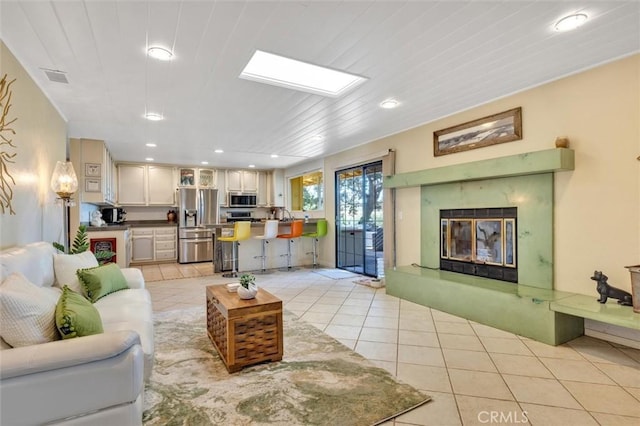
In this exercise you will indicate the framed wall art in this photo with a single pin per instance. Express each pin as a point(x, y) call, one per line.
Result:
point(494, 129)
point(91, 185)
point(92, 169)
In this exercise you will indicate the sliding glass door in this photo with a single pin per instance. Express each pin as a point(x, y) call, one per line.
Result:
point(359, 233)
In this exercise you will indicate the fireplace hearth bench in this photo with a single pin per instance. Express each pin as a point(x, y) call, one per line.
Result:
point(549, 316)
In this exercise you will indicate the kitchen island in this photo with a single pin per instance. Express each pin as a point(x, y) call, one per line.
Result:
point(250, 250)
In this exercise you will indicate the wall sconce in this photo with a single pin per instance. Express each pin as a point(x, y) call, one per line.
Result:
point(64, 183)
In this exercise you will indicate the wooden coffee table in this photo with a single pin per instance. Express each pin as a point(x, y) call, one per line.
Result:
point(244, 332)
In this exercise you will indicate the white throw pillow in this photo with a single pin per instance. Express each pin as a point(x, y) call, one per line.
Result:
point(27, 312)
point(66, 265)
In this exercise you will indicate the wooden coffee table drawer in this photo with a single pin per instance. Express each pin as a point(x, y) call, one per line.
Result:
point(244, 332)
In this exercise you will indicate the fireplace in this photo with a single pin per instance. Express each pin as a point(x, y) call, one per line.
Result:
point(480, 242)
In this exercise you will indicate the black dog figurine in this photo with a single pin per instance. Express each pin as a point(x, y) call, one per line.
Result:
point(606, 291)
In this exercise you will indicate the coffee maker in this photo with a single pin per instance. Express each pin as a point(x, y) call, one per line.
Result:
point(113, 215)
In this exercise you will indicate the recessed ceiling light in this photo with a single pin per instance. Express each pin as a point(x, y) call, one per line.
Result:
point(151, 145)
point(274, 155)
point(152, 116)
point(571, 22)
point(218, 151)
point(252, 166)
point(317, 138)
point(389, 104)
point(204, 162)
point(160, 53)
point(277, 70)
point(149, 159)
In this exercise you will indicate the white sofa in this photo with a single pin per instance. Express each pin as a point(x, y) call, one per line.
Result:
point(92, 380)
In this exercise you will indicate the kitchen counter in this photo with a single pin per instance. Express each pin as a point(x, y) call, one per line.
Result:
point(130, 224)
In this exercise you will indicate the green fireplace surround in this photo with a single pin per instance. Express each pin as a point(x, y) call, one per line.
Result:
point(524, 181)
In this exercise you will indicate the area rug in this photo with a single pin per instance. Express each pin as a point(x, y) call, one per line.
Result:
point(335, 274)
point(318, 382)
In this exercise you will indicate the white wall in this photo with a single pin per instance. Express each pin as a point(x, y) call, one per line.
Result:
point(40, 140)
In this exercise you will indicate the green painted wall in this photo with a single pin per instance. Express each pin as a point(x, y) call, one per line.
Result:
point(531, 194)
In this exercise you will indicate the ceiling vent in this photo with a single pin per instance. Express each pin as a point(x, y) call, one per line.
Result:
point(56, 76)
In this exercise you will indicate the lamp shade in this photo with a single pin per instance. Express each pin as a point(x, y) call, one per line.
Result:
point(64, 181)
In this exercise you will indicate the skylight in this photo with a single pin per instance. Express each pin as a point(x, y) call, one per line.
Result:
point(284, 72)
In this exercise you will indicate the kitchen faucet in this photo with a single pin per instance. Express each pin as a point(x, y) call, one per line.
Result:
point(289, 214)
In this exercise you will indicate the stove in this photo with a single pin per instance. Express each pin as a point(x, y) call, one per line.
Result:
point(240, 216)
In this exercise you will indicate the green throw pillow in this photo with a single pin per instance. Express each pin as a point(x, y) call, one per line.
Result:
point(101, 280)
point(76, 316)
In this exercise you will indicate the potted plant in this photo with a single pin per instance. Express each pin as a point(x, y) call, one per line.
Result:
point(80, 245)
point(248, 287)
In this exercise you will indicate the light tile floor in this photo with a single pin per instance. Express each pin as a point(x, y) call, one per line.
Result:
point(476, 374)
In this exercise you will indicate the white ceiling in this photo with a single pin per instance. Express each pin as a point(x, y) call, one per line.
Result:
point(436, 58)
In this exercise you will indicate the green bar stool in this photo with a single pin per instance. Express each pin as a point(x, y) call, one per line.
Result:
point(270, 232)
point(321, 231)
point(294, 233)
point(241, 231)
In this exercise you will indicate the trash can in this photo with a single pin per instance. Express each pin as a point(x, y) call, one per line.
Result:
point(635, 286)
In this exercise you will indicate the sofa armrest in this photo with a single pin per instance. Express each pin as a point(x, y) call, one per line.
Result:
point(64, 353)
point(58, 381)
point(134, 277)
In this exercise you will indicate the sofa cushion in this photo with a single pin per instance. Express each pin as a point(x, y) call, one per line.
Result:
point(27, 312)
point(102, 280)
point(76, 316)
point(66, 265)
point(34, 261)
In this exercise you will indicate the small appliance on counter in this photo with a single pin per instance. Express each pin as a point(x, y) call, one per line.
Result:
point(113, 215)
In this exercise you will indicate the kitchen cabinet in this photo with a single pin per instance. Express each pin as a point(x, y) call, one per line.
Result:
point(191, 177)
point(142, 245)
point(242, 181)
point(96, 180)
point(264, 186)
point(154, 244)
point(206, 178)
point(271, 188)
point(276, 189)
point(131, 184)
point(161, 189)
point(165, 244)
point(146, 185)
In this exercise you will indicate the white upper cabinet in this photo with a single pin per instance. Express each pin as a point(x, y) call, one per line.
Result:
point(207, 178)
point(242, 181)
point(191, 177)
point(146, 185)
point(161, 185)
point(132, 184)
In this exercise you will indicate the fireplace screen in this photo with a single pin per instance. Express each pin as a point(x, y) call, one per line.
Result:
point(479, 242)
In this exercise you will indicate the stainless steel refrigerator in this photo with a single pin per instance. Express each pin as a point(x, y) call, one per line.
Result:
point(198, 210)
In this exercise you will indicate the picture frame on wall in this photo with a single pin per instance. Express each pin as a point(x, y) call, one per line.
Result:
point(498, 128)
point(92, 169)
point(92, 185)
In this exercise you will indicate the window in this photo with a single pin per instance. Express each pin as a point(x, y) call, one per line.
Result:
point(307, 192)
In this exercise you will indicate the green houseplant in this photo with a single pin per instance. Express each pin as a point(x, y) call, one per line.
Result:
point(248, 288)
point(81, 244)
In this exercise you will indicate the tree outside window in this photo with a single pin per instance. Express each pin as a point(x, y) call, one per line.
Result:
point(307, 192)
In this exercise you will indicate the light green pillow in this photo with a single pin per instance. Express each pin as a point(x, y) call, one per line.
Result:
point(76, 316)
point(102, 280)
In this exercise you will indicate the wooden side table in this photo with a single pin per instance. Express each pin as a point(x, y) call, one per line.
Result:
point(244, 332)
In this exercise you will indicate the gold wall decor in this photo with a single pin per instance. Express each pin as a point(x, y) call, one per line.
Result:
point(6, 145)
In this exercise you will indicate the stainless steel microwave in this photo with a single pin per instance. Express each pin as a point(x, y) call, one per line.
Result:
point(242, 199)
